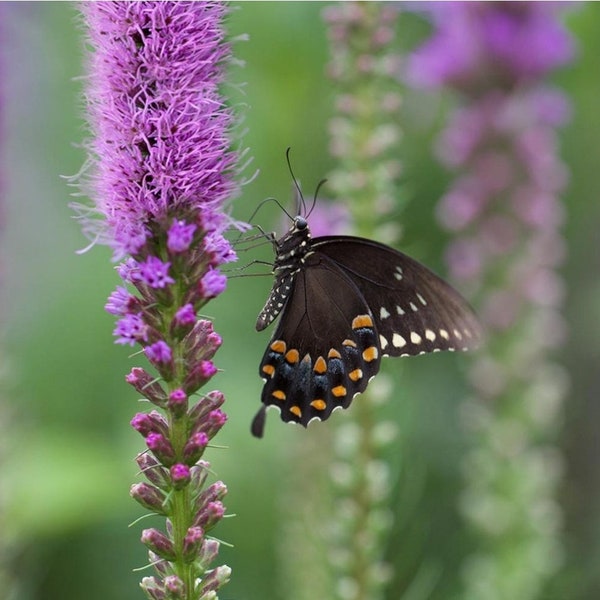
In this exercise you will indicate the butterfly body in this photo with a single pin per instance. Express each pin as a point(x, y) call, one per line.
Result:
point(345, 302)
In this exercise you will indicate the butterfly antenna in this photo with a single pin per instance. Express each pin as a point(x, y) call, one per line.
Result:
point(314, 202)
point(260, 205)
point(301, 204)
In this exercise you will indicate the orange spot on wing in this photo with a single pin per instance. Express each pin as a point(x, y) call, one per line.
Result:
point(370, 353)
point(292, 356)
point(320, 366)
point(355, 375)
point(338, 391)
point(318, 404)
point(278, 346)
point(269, 370)
point(362, 321)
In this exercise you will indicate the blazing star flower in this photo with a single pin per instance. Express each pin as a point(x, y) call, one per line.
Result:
point(476, 43)
point(505, 214)
point(161, 174)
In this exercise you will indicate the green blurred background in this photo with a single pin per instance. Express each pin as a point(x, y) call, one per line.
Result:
point(65, 439)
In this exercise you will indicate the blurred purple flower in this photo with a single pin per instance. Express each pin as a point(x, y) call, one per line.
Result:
point(504, 211)
point(480, 44)
point(160, 174)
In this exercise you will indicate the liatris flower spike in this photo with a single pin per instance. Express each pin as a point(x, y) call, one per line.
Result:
point(505, 215)
point(161, 172)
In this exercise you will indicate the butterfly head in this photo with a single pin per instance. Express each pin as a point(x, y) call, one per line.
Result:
point(300, 224)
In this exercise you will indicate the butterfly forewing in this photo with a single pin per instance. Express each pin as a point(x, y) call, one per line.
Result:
point(415, 311)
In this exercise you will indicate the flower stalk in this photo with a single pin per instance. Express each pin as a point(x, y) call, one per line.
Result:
point(363, 134)
point(160, 175)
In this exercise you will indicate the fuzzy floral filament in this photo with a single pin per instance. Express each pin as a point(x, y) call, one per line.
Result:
point(160, 174)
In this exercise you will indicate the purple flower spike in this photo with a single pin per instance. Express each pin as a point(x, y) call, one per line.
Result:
point(119, 302)
point(159, 352)
point(505, 214)
point(212, 284)
point(180, 236)
point(155, 273)
point(219, 249)
point(161, 174)
point(131, 329)
point(185, 316)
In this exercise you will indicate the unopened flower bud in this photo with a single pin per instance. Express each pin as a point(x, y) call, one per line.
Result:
point(192, 543)
point(215, 579)
point(199, 473)
point(146, 385)
point(210, 402)
point(149, 497)
point(153, 470)
point(180, 475)
point(159, 543)
point(161, 448)
point(213, 493)
point(195, 446)
point(178, 402)
point(174, 587)
point(198, 375)
point(213, 422)
point(202, 342)
point(208, 552)
point(209, 515)
point(146, 423)
point(153, 588)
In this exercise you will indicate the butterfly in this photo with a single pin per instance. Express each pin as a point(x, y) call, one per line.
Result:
point(344, 303)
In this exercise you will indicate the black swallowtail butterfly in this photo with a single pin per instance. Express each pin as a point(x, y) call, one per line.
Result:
point(345, 302)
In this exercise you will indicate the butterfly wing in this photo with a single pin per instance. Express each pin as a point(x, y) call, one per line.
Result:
point(353, 301)
point(413, 309)
point(325, 348)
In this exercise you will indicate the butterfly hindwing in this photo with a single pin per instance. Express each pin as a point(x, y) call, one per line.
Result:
point(325, 348)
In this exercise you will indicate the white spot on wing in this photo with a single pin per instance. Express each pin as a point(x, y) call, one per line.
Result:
point(413, 307)
point(421, 299)
point(398, 341)
point(383, 341)
point(415, 338)
point(399, 309)
point(398, 273)
point(383, 313)
point(444, 334)
point(430, 335)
